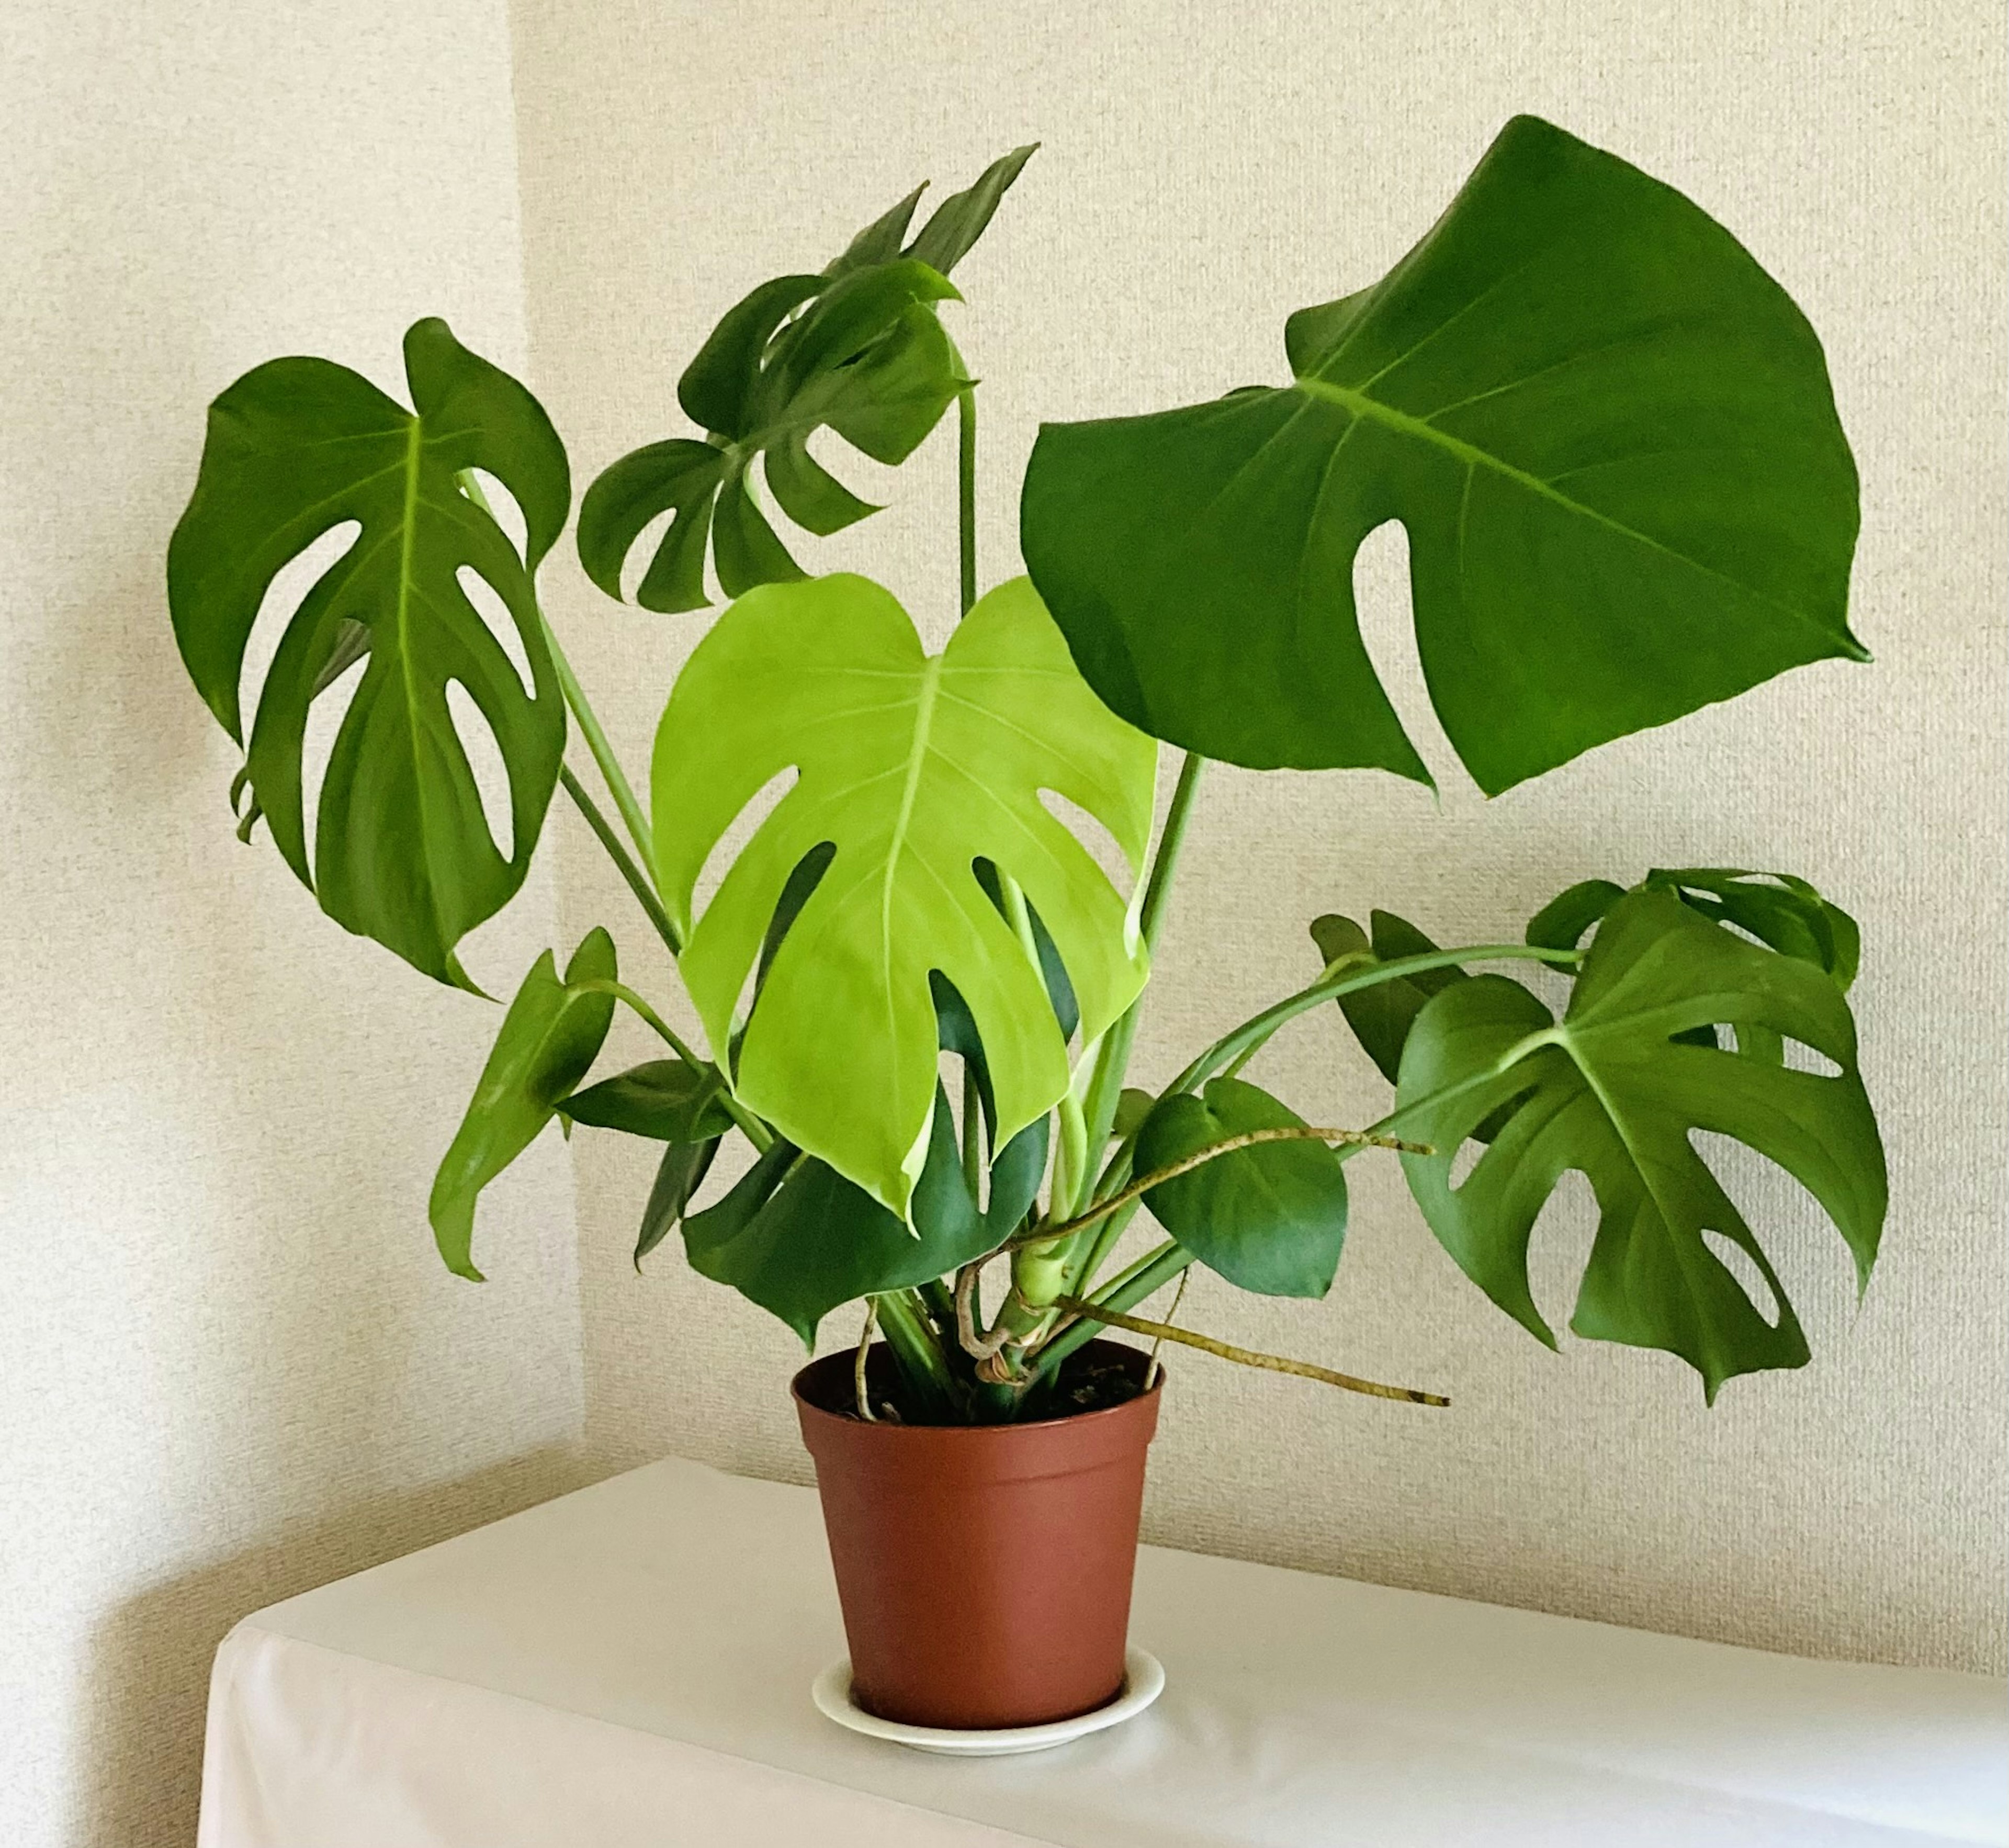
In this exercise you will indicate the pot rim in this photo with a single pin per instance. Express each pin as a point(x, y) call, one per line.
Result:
point(1073, 1421)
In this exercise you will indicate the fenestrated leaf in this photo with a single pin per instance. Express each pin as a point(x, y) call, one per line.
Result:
point(867, 358)
point(1609, 1091)
point(663, 1098)
point(1271, 1217)
point(914, 768)
point(864, 356)
point(401, 851)
point(550, 1038)
point(678, 1176)
point(1609, 434)
point(798, 1239)
point(1776, 908)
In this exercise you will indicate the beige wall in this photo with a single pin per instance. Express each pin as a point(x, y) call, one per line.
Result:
point(1208, 166)
point(230, 1366)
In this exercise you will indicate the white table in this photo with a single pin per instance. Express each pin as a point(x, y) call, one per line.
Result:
point(630, 1667)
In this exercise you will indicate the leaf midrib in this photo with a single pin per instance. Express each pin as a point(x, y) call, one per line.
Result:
point(1421, 429)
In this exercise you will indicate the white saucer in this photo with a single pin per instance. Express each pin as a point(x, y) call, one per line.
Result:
point(1143, 1681)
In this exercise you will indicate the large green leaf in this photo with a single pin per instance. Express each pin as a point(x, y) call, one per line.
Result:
point(914, 768)
point(550, 1038)
point(401, 851)
point(857, 349)
point(1610, 438)
point(1611, 1090)
point(798, 1239)
point(1271, 1217)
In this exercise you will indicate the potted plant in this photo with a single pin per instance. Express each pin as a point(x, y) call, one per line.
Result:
point(1610, 437)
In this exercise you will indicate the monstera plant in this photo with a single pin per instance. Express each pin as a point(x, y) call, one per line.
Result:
point(1610, 438)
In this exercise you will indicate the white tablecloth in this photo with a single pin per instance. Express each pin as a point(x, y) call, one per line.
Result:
point(630, 1667)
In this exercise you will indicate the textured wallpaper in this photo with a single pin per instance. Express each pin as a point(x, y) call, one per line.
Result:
point(1207, 167)
point(230, 1366)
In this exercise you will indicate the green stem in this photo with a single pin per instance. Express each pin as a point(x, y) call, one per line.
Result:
point(756, 1131)
point(1253, 1031)
point(638, 882)
point(920, 1359)
point(1150, 1275)
point(610, 771)
point(973, 1133)
point(966, 492)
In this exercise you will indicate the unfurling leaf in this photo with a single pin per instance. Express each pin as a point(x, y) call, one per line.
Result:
point(550, 1038)
point(1609, 434)
point(795, 1237)
point(1270, 1217)
point(914, 768)
point(401, 851)
point(858, 350)
point(1612, 1090)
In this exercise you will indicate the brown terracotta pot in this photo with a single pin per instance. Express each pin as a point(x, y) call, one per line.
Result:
point(984, 1570)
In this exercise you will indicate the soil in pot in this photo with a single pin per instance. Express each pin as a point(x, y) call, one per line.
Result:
point(984, 1570)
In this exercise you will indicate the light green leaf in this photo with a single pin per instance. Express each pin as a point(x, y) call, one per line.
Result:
point(402, 850)
point(550, 1038)
point(913, 768)
point(795, 1237)
point(1610, 1090)
point(1609, 434)
point(1270, 1218)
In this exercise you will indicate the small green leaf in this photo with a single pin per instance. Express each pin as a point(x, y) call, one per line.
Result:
point(663, 1098)
point(1271, 1217)
point(799, 1239)
point(550, 1038)
point(1381, 1016)
point(678, 1176)
point(1610, 437)
point(915, 768)
point(1132, 1106)
point(1561, 923)
point(1611, 1090)
point(402, 850)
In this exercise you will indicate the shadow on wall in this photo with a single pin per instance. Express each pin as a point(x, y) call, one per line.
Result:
point(148, 1679)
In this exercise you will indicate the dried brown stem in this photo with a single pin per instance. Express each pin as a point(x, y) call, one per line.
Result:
point(1247, 1357)
point(978, 1345)
point(858, 1364)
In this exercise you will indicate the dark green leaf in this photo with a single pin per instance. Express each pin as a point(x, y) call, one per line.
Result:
point(1609, 1091)
point(550, 1038)
point(864, 356)
point(713, 390)
point(1381, 1016)
point(799, 1239)
point(663, 1098)
point(1609, 434)
point(678, 1176)
point(1271, 1217)
point(959, 220)
point(1776, 909)
point(1561, 923)
point(402, 850)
